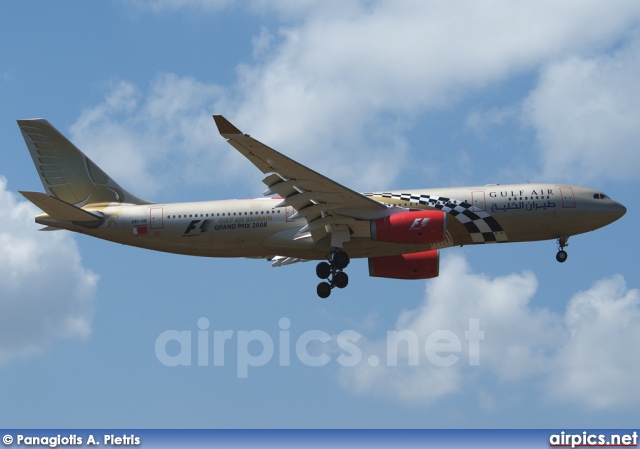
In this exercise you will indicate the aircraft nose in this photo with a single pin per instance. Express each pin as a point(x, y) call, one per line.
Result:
point(619, 210)
point(614, 211)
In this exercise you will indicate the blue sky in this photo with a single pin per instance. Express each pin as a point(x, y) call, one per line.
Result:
point(376, 95)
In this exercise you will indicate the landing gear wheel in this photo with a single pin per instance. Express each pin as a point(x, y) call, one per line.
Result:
point(561, 256)
point(332, 271)
point(323, 270)
point(340, 279)
point(324, 289)
point(340, 260)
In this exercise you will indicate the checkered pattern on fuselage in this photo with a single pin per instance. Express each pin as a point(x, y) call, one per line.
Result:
point(482, 227)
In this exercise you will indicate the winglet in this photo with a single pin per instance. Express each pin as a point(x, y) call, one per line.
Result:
point(225, 127)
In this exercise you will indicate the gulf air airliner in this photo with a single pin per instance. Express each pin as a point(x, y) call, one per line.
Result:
point(307, 216)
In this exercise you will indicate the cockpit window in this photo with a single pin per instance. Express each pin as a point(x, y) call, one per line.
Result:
point(600, 196)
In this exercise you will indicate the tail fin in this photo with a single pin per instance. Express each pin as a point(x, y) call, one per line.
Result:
point(66, 173)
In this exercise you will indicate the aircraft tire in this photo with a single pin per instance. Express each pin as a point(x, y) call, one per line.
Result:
point(324, 289)
point(340, 260)
point(561, 256)
point(340, 279)
point(323, 270)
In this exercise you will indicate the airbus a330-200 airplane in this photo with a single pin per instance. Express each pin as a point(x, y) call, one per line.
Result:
point(308, 216)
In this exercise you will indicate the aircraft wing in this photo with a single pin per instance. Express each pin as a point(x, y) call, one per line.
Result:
point(328, 207)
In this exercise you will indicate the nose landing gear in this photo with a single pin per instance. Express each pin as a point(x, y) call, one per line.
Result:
point(562, 254)
point(332, 271)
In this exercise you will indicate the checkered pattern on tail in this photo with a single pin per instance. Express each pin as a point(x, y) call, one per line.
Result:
point(482, 227)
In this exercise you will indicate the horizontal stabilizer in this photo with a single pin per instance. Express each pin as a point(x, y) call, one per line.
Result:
point(59, 210)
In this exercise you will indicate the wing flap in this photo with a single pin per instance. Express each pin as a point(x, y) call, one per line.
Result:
point(279, 261)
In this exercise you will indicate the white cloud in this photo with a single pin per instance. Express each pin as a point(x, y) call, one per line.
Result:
point(599, 365)
point(346, 80)
point(45, 292)
point(586, 113)
point(155, 139)
point(585, 356)
point(262, 43)
point(514, 334)
point(338, 86)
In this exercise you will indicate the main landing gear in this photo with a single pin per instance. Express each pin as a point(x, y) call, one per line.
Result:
point(332, 271)
point(562, 254)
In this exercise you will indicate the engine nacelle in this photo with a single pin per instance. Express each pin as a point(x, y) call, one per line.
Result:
point(422, 265)
point(423, 226)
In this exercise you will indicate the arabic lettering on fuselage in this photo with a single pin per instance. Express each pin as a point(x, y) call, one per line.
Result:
point(523, 205)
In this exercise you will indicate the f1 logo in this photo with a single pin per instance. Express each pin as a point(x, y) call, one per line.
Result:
point(419, 223)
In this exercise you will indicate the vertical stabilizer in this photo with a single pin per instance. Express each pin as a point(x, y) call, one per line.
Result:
point(66, 173)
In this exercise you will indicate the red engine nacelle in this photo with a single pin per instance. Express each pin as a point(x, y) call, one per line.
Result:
point(422, 265)
point(423, 226)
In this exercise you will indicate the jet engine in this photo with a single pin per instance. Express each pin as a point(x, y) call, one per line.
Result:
point(424, 226)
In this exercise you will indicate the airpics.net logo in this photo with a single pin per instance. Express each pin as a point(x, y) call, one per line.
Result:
point(251, 349)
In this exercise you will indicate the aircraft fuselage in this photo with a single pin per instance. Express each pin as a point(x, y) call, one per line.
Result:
point(257, 228)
